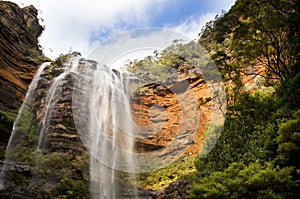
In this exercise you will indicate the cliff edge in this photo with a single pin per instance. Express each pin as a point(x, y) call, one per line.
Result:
point(20, 56)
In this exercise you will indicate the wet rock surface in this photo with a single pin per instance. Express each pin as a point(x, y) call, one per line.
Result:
point(178, 189)
point(21, 172)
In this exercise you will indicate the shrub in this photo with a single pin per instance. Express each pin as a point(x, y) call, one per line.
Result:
point(255, 180)
point(69, 188)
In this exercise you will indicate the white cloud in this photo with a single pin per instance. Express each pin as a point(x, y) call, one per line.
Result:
point(69, 23)
point(139, 43)
point(134, 44)
point(74, 24)
point(193, 26)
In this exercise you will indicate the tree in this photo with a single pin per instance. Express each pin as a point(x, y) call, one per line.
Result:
point(255, 180)
point(259, 32)
point(289, 141)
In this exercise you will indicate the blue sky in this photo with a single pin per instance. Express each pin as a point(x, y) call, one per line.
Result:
point(84, 25)
point(178, 11)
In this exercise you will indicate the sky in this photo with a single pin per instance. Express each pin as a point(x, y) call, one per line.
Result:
point(73, 25)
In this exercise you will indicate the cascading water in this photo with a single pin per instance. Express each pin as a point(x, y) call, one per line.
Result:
point(100, 106)
point(56, 86)
point(110, 140)
point(26, 105)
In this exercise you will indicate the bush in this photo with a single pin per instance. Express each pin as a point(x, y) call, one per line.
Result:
point(69, 188)
point(289, 141)
point(253, 181)
point(165, 176)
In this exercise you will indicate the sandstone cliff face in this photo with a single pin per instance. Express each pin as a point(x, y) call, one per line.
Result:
point(171, 121)
point(19, 33)
point(20, 56)
point(61, 131)
point(174, 111)
point(46, 133)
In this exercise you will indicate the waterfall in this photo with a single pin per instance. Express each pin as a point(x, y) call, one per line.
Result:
point(101, 115)
point(56, 86)
point(110, 139)
point(26, 105)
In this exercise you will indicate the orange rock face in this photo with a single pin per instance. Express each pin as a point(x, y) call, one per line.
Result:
point(19, 32)
point(167, 113)
point(18, 45)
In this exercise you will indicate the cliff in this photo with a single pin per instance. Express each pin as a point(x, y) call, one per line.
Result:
point(20, 56)
point(172, 121)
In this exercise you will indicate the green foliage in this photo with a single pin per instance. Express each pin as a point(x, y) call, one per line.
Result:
point(255, 180)
point(256, 155)
point(150, 68)
point(165, 176)
point(289, 91)
point(37, 55)
point(55, 164)
point(34, 51)
point(61, 164)
point(175, 58)
point(64, 57)
point(25, 136)
point(256, 32)
point(70, 188)
point(25, 125)
point(140, 90)
point(22, 153)
point(7, 117)
point(289, 141)
point(70, 171)
point(6, 122)
point(248, 134)
point(169, 57)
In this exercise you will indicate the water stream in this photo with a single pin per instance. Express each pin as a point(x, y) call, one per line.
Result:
point(101, 113)
point(110, 139)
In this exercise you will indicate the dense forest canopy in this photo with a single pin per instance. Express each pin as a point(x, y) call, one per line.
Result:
point(256, 156)
point(257, 32)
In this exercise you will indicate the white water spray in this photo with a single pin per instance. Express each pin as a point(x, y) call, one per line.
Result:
point(110, 134)
point(101, 115)
point(56, 87)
